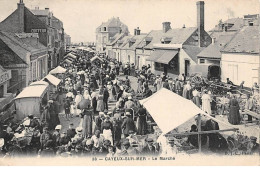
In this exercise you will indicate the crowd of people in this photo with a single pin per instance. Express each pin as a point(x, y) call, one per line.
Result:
point(85, 92)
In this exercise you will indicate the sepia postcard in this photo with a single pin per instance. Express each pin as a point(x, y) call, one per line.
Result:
point(129, 82)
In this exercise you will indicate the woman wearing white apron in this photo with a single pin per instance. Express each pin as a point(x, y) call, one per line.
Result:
point(107, 129)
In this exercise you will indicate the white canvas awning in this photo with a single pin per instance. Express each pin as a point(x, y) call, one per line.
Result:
point(169, 110)
point(33, 91)
point(52, 79)
point(57, 70)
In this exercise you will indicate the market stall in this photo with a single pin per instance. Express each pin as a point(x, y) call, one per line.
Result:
point(58, 70)
point(170, 110)
point(35, 95)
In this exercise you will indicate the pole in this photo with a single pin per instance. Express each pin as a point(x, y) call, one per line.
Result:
point(199, 130)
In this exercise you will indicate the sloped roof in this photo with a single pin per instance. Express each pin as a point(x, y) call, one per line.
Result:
point(180, 35)
point(136, 39)
point(156, 38)
point(213, 50)
point(177, 36)
point(116, 38)
point(237, 24)
point(125, 41)
point(193, 51)
point(114, 22)
point(245, 41)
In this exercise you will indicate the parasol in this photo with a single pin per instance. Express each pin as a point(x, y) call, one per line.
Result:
point(84, 104)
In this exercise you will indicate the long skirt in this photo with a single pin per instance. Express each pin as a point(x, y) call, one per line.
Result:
point(196, 100)
point(141, 125)
point(100, 106)
point(87, 125)
point(234, 116)
point(108, 135)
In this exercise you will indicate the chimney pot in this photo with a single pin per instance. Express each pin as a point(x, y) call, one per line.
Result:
point(46, 8)
point(183, 26)
point(166, 26)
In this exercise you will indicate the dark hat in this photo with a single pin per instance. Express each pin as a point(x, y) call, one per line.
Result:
point(107, 142)
point(149, 140)
point(253, 138)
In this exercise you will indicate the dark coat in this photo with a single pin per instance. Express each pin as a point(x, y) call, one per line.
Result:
point(128, 125)
point(71, 133)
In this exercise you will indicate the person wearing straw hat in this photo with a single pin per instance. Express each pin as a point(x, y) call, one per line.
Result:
point(56, 136)
point(128, 124)
point(107, 129)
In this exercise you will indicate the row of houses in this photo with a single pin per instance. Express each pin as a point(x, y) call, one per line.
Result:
point(233, 45)
point(31, 44)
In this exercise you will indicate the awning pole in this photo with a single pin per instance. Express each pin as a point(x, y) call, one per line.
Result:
point(199, 130)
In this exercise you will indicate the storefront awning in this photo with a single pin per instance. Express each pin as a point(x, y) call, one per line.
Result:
point(167, 56)
point(155, 55)
point(163, 56)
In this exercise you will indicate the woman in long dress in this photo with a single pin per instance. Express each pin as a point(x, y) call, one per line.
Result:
point(234, 116)
point(196, 98)
point(141, 121)
point(206, 99)
point(87, 122)
point(100, 103)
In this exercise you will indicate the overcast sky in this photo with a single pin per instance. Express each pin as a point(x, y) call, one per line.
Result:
point(82, 17)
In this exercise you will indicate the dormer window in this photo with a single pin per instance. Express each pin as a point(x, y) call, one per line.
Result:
point(165, 40)
point(105, 28)
point(148, 40)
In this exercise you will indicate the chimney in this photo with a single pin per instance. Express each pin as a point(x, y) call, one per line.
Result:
point(200, 22)
point(20, 7)
point(138, 31)
point(166, 26)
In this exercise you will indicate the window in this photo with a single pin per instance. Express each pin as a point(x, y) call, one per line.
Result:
point(202, 60)
point(105, 29)
point(251, 24)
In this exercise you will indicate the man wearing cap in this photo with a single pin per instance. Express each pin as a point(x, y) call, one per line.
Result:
point(128, 124)
point(56, 136)
point(253, 146)
point(149, 149)
point(127, 149)
point(71, 131)
point(129, 104)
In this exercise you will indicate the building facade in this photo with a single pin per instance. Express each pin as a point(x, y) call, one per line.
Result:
point(108, 30)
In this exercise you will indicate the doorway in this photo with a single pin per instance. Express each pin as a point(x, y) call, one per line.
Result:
point(187, 67)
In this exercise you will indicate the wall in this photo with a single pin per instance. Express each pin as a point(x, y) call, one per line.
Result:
point(240, 67)
point(184, 56)
point(123, 56)
point(131, 53)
